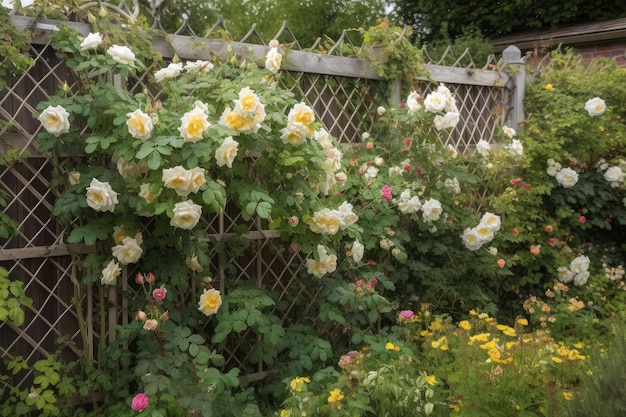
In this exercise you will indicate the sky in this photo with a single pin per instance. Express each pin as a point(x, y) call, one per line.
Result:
point(9, 3)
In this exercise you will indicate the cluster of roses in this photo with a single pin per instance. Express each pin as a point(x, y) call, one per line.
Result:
point(474, 238)
point(439, 101)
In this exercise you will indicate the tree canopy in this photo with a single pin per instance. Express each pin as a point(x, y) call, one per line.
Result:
point(308, 19)
point(449, 19)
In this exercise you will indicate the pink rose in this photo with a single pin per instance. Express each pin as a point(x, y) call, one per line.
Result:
point(406, 315)
point(386, 192)
point(501, 263)
point(140, 401)
point(159, 294)
point(582, 219)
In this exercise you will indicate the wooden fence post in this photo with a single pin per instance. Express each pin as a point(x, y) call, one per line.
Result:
point(512, 57)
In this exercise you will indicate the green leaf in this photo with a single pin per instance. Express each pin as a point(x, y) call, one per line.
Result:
point(239, 326)
point(154, 161)
point(264, 209)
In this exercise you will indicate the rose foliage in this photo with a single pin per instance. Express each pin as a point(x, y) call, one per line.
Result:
point(153, 151)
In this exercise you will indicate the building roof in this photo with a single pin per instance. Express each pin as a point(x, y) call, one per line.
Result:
point(574, 35)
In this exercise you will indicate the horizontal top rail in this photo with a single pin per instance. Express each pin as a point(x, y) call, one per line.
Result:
point(299, 61)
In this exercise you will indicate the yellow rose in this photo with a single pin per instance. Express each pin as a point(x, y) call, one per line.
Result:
point(210, 301)
point(226, 153)
point(139, 125)
point(193, 124)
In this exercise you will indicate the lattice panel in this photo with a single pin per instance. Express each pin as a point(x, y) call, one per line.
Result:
point(19, 101)
point(31, 203)
point(48, 282)
point(345, 106)
point(482, 111)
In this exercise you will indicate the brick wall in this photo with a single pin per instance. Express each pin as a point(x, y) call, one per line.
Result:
point(615, 50)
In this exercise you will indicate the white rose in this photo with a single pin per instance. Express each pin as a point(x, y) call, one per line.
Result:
point(357, 251)
point(199, 65)
point(194, 123)
point(226, 153)
point(565, 275)
point(110, 273)
point(100, 196)
point(128, 252)
point(595, 106)
point(483, 147)
point(567, 177)
point(411, 205)
point(413, 102)
point(449, 120)
point(55, 120)
point(122, 54)
point(273, 60)
point(614, 175)
point(492, 221)
point(515, 148)
point(471, 239)
point(431, 210)
point(93, 40)
point(435, 102)
point(509, 131)
point(579, 264)
point(379, 161)
point(381, 110)
point(186, 215)
point(173, 70)
point(371, 172)
point(581, 278)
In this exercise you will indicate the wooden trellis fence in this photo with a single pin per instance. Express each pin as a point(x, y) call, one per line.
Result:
point(344, 92)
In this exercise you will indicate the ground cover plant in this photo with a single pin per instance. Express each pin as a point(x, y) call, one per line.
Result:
point(444, 275)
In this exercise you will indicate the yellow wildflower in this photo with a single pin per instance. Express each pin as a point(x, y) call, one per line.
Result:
point(441, 343)
point(549, 87)
point(465, 325)
point(297, 383)
point(557, 359)
point(431, 379)
point(522, 321)
point(335, 395)
point(568, 395)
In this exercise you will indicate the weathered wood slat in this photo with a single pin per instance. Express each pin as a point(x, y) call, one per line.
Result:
point(17, 254)
point(189, 48)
